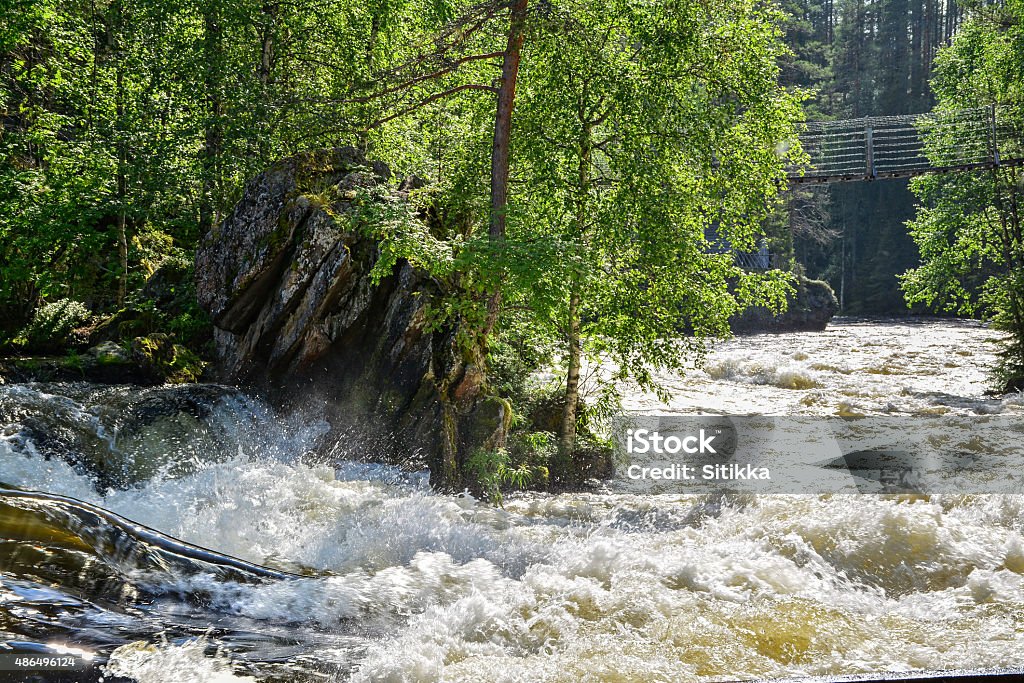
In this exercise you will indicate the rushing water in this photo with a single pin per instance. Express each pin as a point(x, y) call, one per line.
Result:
point(360, 572)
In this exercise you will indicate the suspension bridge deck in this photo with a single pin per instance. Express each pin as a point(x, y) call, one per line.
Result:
point(910, 145)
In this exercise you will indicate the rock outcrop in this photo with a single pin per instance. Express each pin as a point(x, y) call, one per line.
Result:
point(809, 310)
point(286, 281)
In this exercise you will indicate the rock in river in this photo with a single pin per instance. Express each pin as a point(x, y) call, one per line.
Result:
point(809, 309)
point(286, 280)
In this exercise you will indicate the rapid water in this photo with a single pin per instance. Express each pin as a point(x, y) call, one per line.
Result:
point(359, 572)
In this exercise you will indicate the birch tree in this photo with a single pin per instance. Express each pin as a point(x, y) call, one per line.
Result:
point(644, 128)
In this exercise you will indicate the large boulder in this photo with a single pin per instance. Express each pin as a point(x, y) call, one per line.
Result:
point(286, 281)
point(808, 310)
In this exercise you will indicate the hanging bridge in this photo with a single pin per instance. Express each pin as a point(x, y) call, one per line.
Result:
point(910, 145)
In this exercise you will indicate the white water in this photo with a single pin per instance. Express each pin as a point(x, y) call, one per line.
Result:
point(618, 588)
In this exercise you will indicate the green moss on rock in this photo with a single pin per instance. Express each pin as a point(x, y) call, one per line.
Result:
point(109, 354)
point(166, 361)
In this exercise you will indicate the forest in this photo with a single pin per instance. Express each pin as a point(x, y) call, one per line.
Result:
point(862, 59)
point(567, 161)
point(950, 242)
point(165, 110)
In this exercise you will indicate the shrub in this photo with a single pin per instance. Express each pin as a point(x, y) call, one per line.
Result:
point(53, 324)
point(494, 471)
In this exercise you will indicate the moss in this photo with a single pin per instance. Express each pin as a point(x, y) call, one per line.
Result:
point(491, 468)
point(49, 368)
point(186, 366)
point(127, 323)
point(166, 306)
point(73, 361)
point(31, 364)
point(450, 475)
point(167, 361)
point(324, 199)
point(490, 418)
point(110, 354)
point(276, 238)
point(111, 359)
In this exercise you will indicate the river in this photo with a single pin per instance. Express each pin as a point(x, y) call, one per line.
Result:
point(359, 572)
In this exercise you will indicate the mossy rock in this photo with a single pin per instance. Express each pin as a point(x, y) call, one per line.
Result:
point(154, 359)
point(41, 369)
point(109, 354)
point(68, 368)
point(489, 423)
point(165, 361)
point(126, 324)
point(809, 309)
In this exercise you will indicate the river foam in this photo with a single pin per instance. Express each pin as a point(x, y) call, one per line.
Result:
point(402, 584)
point(558, 588)
point(170, 663)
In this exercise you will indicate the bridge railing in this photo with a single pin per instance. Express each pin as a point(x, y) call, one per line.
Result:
point(908, 145)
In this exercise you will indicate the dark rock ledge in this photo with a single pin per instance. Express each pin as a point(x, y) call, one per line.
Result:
point(809, 310)
point(286, 281)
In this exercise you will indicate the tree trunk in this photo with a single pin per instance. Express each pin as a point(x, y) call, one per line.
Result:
point(567, 431)
point(122, 154)
point(460, 389)
point(122, 232)
point(265, 122)
point(502, 134)
point(269, 12)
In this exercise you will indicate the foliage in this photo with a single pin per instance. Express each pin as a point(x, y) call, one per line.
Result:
point(515, 352)
point(129, 126)
point(647, 146)
point(533, 438)
point(135, 122)
point(402, 234)
point(166, 361)
point(645, 160)
point(53, 324)
point(165, 304)
point(494, 472)
point(968, 226)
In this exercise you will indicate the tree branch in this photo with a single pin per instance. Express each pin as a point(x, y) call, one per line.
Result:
point(432, 98)
point(419, 79)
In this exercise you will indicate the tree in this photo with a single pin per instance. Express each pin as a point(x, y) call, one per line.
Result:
point(968, 225)
point(658, 125)
point(129, 126)
point(642, 130)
